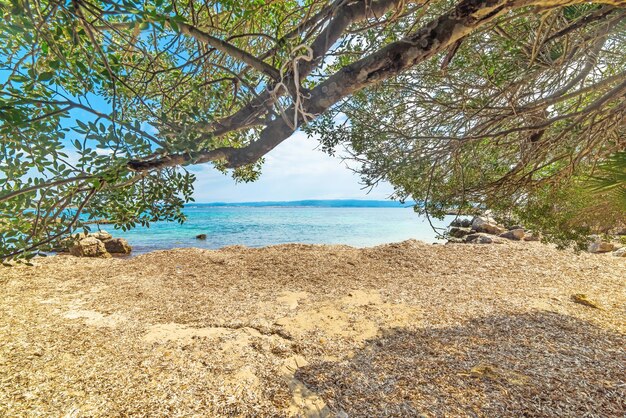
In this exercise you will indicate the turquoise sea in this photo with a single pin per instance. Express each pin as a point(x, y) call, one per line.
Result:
point(359, 224)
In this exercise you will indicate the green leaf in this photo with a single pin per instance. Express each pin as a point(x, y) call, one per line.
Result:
point(45, 76)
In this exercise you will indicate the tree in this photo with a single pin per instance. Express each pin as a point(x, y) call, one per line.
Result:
point(526, 132)
point(104, 102)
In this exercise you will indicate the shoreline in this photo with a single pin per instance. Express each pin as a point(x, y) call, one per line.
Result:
point(140, 252)
point(288, 330)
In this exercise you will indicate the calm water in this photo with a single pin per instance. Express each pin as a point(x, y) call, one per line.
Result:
point(261, 226)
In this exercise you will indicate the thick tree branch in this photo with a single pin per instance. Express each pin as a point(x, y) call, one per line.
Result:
point(345, 14)
point(434, 37)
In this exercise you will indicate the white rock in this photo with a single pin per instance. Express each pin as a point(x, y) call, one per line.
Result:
point(101, 235)
point(600, 247)
point(621, 252)
point(89, 247)
point(486, 224)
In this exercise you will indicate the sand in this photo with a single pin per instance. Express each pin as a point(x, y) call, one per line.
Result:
point(400, 330)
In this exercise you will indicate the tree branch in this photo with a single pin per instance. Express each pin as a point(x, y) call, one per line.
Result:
point(228, 49)
point(434, 37)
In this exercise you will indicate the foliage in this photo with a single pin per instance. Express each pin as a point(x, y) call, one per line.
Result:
point(585, 205)
point(103, 103)
point(82, 94)
point(611, 179)
point(515, 120)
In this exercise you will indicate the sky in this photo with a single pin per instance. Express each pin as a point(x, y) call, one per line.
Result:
point(295, 170)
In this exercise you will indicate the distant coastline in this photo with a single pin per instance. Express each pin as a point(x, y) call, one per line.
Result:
point(317, 203)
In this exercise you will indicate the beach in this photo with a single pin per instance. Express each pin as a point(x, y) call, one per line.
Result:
point(404, 330)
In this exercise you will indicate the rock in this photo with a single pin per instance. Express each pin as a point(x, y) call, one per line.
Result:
point(101, 235)
point(621, 252)
point(89, 247)
point(455, 241)
point(478, 239)
point(483, 240)
point(201, 236)
point(66, 243)
point(618, 231)
point(459, 232)
point(117, 246)
point(63, 246)
point(486, 224)
point(513, 234)
point(461, 223)
point(600, 247)
point(529, 236)
point(471, 237)
point(510, 228)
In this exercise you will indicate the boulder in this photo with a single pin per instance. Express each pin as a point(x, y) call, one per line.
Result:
point(515, 227)
point(201, 236)
point(101, 235)
point(65, 244)
point(487, 225)
point(117, 246)
point(455, 241)
point(529, 236)
point(483, 239)
point(89, 247)
point(618, 231)
point(600, 247)
point(459, 232)
point(621, 252)
point(513, 234)
point(461, 223)
point(478, 239)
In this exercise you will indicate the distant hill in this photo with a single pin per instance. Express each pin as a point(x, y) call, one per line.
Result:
point(339, 203)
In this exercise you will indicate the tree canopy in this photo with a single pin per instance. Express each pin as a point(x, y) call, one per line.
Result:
point(497, 103)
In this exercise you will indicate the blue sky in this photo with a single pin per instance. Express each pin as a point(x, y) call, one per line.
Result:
point(294, 170)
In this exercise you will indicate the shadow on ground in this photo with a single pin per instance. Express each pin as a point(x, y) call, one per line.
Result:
point(540, 364)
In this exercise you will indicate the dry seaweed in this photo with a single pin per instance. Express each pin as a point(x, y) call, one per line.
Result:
point(293, 330)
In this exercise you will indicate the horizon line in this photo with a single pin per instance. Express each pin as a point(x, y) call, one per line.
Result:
point(346, 200)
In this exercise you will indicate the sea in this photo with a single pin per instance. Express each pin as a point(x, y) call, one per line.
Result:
point(257, 224)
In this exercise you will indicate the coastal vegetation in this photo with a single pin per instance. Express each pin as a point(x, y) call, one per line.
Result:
point(511, 105)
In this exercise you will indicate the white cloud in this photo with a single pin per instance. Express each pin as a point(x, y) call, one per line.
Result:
point(104, 151)
point(294, 170)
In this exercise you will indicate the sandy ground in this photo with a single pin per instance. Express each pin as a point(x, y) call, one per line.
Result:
point(401, 330)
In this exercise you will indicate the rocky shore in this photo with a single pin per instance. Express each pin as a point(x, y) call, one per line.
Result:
point(95, 244)
point(406, 329)
point(486, 230)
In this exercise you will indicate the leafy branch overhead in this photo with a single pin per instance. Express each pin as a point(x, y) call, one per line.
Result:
point(104, 103)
